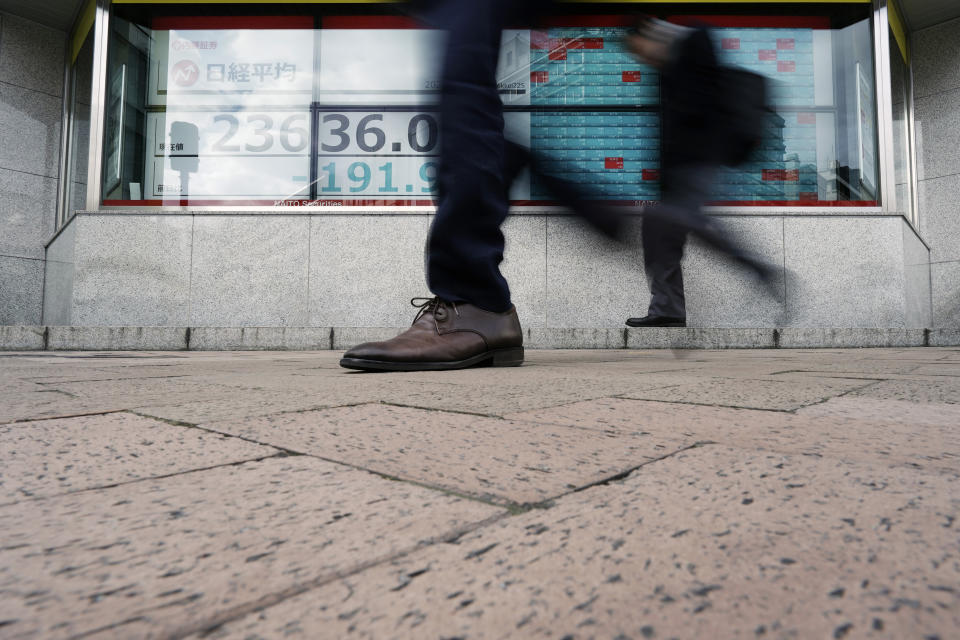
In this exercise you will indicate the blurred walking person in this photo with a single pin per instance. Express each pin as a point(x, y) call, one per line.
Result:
point(703, 123)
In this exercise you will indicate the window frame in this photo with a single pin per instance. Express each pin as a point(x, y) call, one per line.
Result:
point(881, 46)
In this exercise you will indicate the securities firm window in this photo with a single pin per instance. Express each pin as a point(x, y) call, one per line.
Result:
point(279, 110)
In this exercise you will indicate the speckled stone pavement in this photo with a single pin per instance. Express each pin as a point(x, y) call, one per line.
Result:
point(588, 494)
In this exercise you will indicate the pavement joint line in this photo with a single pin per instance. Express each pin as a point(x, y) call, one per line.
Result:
point(873, 381)
point(113, 485)
point(205, 628)
point(179, 423)
point(708, 404)
point(189, 425)
point(840, 395)
point(66, 393)
point(488, 415)
point(838, 375)
point(474, 414)
point(622, 475)
point(510, 506)
point(63, 417)
point(108, 379)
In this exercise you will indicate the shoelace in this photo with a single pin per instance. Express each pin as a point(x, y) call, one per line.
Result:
point(430, 304)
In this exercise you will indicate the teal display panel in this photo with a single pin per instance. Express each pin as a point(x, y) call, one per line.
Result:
point(607, 135)
point(614, 152)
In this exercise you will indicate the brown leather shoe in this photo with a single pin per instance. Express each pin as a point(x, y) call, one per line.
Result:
point(445, 335)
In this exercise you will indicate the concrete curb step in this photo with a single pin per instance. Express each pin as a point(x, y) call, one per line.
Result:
point(29, 338)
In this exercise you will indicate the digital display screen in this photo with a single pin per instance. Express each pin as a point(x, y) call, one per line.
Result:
point(346, 114)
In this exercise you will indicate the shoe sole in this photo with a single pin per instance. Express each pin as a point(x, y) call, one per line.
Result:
point(512, 357)
point(653, 326)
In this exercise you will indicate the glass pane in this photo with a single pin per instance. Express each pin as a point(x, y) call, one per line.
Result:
point(820, 146)
point(899, 89)
point(209, 116)
point(81, 86)
point(266, 110)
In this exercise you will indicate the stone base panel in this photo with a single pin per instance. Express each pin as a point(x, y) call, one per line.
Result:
point(38, 338)
point(361, 269)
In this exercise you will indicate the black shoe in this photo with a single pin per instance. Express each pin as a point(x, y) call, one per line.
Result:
point(656, 321)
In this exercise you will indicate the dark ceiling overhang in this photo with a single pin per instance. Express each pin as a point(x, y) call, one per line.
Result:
point(60, 14)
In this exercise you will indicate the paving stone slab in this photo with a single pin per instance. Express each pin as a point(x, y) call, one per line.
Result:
point(945, 390)
point(318, 392)
point(50, 457)
point(875, 367)
point(875, 410)
point(234, 407)
point(750, 393)
point(170, 555)
point(497, 399)
point(939, 369)
point(137, 391)
point(935, 446)
point(709, 543)
point(499, 460)
point(36, 405)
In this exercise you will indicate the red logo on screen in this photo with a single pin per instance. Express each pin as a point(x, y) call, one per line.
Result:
point(785, 43)
point(557, 54)
point(650, 174)
point(185, 73)
point(768, 54)
point(730, 43)
point(613, 163)
point(631, 76)
point(786, 65)
point(539, 76)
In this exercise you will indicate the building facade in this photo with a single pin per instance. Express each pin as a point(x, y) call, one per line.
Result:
point(231, 166)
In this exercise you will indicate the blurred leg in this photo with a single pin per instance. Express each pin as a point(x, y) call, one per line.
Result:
point(662, 251)
point(465, 245)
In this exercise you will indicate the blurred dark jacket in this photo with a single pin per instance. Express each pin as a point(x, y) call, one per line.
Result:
point(690, 95)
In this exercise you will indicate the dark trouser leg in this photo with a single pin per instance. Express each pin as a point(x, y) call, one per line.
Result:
point(686, 189)
point(465, 245)
point(662, 251)
point(665, 228)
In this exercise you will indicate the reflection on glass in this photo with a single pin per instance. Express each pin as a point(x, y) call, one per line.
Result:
point(820, 145)
point(81, 85)
point(273, 111)
point(900, 92)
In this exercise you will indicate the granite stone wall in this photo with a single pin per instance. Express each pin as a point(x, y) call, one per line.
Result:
point(31, 88)
point(233, 269)
point(936, 68)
